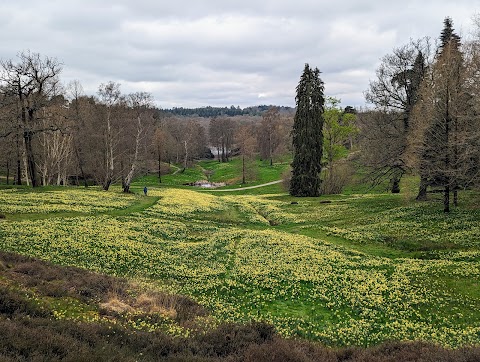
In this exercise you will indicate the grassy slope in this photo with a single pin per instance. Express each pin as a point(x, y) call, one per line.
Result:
point(343, 284)
point(229, 173)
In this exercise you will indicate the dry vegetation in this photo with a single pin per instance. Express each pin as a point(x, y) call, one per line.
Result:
point(31, 332)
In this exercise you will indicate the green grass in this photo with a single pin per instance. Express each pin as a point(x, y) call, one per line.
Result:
point(341, 269)
point(228, 172)
point(176, 177)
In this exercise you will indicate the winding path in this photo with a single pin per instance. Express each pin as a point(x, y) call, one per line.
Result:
point(243, 188)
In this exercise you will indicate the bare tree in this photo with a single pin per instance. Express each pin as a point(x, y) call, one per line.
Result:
point(222, 132)
point(394, 93)
point(77, 102)
point(10, 133)
point(268, 136)
point(110, 97)
point(141, 104)
point(246, 143)
point(194, 142)
point(32, 81)
point(445, 121)
point(160, 146)
point(54, 161)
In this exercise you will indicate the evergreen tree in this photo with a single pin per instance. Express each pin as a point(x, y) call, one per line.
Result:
point(307, 134)
point(448, 36)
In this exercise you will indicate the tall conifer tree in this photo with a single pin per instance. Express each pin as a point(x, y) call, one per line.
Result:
point(307, 134)
point(445, 122)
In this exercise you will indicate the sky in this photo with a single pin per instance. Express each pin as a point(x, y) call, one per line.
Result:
point(223, 52)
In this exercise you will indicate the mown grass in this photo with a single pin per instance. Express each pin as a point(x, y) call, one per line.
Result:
point(228, 172)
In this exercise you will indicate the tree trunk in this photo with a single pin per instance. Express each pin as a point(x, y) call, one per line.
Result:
point(106, 184)
point(186, 156)
point(422, 190)
point(19, 171)
point(396, 176)
point(223, 151)
point(59, 176)
point(455, 197)
point(243, 169)
point(25, 167)
point(446, 199)
point(270, 152)
point(395, 185)
point(31, 167)
point(227, 143)
point(8, 172)
point(109, 155)
point(44, 172)
point(159, 166)
point(131, 173)
point(80, 165)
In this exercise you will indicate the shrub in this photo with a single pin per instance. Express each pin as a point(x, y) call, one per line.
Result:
point(12, 303)
point(336, 178)
point(286, 178)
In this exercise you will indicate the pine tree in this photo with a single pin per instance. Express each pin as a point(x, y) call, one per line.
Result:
point(448, 36)
point(307, 135)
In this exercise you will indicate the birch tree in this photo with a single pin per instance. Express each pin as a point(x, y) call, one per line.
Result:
point(140, 103)
point(110, 96)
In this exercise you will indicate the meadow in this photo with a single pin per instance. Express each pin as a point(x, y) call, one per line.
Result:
point(355, 269)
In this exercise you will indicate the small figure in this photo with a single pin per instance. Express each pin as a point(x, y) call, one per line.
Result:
point(145, 190)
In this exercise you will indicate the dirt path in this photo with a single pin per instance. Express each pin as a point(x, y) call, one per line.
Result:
point(177, 169)
point(243, 188)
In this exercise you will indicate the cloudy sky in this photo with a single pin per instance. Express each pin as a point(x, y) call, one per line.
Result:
point(223, 52)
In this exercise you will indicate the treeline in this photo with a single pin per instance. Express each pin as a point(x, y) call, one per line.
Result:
point(426, 116)
point(425, 120)
point(53, 134)
point(210, 112)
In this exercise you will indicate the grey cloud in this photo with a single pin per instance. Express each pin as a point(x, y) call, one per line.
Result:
point(222, 52)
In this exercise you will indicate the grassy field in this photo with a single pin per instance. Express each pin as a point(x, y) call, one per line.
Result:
point(229, 173)
point(351, 269)
point(355, 269)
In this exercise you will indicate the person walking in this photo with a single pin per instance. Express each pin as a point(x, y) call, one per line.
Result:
point(145, 190)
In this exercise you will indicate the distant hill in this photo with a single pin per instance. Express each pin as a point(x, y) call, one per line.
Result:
point(225, 111)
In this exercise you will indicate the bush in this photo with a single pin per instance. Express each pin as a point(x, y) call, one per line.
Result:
point(336, 178)
point(286, 178)
point(232, 338)
point(12, 303)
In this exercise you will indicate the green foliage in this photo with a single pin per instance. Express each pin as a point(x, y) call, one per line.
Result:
point(338, 127)
point(307, 134)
